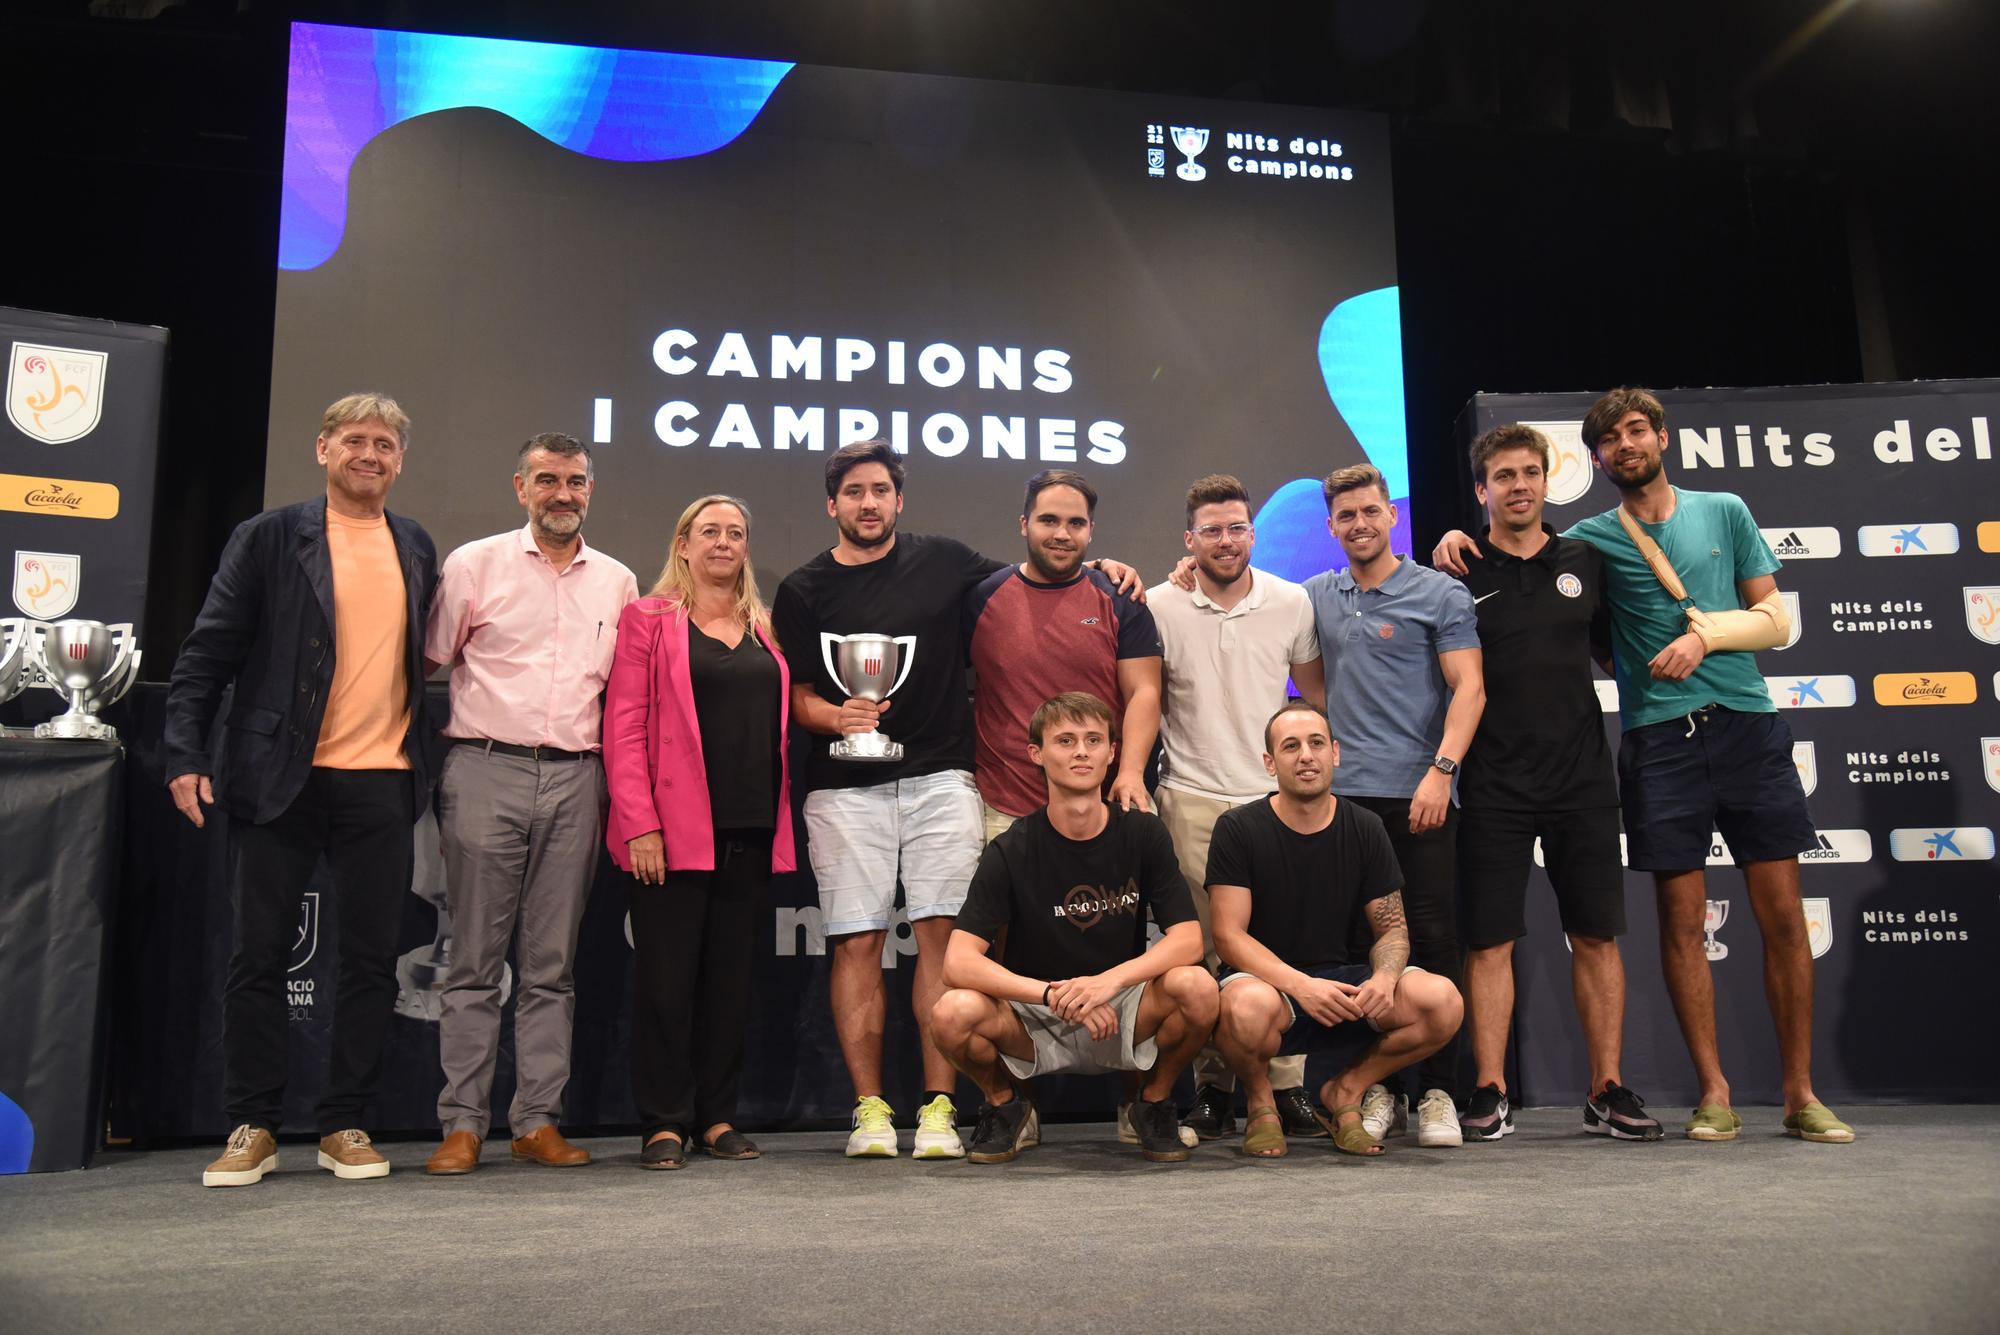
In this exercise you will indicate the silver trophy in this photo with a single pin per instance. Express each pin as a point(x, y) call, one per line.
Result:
point(868, 667)
point(1714, 914)
point(91, 666)
point(17, 671)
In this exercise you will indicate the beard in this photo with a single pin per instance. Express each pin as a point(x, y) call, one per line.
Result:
point(1217, 577)
point(1642, 478)
point(562, 525)
point(1055, 574)
point(856, 539)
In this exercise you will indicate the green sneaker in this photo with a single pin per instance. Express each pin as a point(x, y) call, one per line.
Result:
point(1816, 1121)
point(937, 1131)
point(1713, 1121)
point(874, 1135)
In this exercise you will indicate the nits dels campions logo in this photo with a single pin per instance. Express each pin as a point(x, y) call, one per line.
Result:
point(1907, 539)
point(1925, 688)
point(55, 395)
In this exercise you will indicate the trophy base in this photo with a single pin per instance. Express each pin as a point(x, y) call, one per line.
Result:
point(73, 726)
point(865, 746)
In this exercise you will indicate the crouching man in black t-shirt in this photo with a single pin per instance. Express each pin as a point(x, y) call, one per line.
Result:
point(1290, 881)
point(1071, 885)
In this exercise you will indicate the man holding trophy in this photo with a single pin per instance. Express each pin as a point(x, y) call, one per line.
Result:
point(528, 620)
point(316, 618)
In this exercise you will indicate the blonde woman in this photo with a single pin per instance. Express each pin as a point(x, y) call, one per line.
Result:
point(694, 748)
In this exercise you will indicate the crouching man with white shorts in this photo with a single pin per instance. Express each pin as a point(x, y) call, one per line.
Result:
point(1071, 886)
point(1305, 899)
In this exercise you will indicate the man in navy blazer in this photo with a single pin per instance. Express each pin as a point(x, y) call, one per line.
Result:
point(314, 624)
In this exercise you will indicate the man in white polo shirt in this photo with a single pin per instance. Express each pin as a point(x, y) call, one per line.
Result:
point(1230, 643)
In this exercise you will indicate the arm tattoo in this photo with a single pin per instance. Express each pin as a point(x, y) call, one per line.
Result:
point(1391, 950)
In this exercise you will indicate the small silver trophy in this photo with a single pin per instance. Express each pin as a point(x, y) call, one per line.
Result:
point(1713, 916)
point(90, 665)
point(868, 667)
point(17, 670)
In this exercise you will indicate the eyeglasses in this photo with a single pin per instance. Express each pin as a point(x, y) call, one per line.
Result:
point(1214, 532)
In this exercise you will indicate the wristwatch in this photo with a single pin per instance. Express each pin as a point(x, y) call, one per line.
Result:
point(1444, 764)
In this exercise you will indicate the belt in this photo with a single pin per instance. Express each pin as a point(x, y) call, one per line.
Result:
point(523, 752)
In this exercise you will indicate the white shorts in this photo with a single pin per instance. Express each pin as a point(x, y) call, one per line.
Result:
point(1062, 1045)
point(858, 838)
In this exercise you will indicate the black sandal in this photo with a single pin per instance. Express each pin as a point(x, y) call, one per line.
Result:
point(733, 1144)
point(666, 1152)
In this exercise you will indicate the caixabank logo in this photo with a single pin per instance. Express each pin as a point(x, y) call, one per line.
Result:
point(1925, 688)
point(1959, 843)
point(1907, 539)
point(1803, 544)
point(1825, 691)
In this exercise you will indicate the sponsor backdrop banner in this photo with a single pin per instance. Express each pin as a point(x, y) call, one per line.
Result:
point(1883, 502)
point(77, 454)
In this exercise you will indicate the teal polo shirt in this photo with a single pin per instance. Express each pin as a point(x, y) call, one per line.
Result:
point(1385, 694)
point(1713, 544)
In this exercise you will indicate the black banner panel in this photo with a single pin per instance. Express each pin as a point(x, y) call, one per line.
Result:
point(77, 453)
point(1883, 503)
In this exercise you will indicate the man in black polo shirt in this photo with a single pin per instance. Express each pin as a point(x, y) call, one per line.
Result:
point(1540, 768)
point(1071, 885)
point(1306, 903)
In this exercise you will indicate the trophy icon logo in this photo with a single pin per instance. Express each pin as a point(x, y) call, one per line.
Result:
point(1712, 918)
point(867, 667)
point(1190, 140)
point(91, 666)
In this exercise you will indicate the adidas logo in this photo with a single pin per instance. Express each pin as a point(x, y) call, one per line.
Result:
point(1840, 846)
point(1826, 852)
point(1803, 544)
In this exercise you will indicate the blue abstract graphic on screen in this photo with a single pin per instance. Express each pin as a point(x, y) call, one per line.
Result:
point(17, 1137)
point(1361, 361)
point(348, 85)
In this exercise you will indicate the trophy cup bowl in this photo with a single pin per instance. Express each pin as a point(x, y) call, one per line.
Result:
point(868, 667)
point(15, 672)
point(91, 666)
point(1713, 916)
point(1190, 140)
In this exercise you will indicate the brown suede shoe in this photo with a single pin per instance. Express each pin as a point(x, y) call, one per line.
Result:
point(545, 1145)
point(350, 1154)
point(250, 1154)
point(457, 1156)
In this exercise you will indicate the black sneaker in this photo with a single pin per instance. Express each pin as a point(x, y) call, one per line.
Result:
point(1004, 1131)
point(1619, 1113)
point(1295, 1110)
point(1489, 1116)
point(1209, 1116)
point(1159, 1131)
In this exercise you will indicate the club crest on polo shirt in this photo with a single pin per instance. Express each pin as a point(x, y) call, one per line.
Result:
point(1568, 585)
point(1385, 630)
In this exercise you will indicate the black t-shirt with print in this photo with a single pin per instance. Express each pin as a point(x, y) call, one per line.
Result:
point(1308, 892)
point(1076, 907)
point(917, 589)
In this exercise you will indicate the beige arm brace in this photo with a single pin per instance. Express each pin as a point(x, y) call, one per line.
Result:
point(1764, 626)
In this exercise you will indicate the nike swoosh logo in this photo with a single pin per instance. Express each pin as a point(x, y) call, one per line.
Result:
point(1483, 597)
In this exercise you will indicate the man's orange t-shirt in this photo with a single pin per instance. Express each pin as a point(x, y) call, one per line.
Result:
point(368, 707)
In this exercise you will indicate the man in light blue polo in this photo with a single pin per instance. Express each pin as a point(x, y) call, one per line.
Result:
point(1404, 690)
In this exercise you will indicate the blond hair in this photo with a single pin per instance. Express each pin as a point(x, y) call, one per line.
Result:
point(676, 581)
point(366, 407)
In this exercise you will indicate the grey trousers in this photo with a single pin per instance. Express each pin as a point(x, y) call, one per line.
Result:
point(1190, 820)
point(521, 840)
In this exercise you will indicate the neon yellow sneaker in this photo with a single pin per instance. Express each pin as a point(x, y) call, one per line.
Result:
point(937, 1131)
point(874, 1134)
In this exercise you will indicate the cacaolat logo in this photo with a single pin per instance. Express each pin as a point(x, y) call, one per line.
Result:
point(25, 494)
point(1925, 688)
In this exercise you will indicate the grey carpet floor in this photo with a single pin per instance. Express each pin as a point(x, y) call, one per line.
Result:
point(1549, 1230)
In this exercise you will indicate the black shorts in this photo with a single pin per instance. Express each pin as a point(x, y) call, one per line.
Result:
point(1345, 1042)
point(1580, 850)
point(1712, 770)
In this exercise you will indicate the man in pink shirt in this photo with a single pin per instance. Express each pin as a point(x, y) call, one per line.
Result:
point(527, 620)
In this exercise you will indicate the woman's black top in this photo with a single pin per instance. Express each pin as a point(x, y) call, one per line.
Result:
point(736, 707)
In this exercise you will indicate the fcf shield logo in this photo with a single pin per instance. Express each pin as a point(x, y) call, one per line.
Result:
point(1989, 755)
point(45, 583)
point(1982, 612)
point(1570, 473)
point(55, 394)
point(305, 941)
point(1806, 761)
point(1819, 925)
point(1792, 614)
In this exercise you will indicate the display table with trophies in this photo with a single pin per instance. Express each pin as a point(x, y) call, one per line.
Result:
point(62, 805)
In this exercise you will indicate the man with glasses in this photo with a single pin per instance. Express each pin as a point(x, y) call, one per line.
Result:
point(1230, 643)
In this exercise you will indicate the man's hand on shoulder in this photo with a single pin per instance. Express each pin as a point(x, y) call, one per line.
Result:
point(1450, 553)
point(1128, 792)
point(1123, 578)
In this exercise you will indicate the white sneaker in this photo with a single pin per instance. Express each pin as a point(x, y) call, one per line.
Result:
point(1384, 1115)
point(1437, 1120)
point(937, 1134)
point(1129, 1136)
point(874, 1134)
